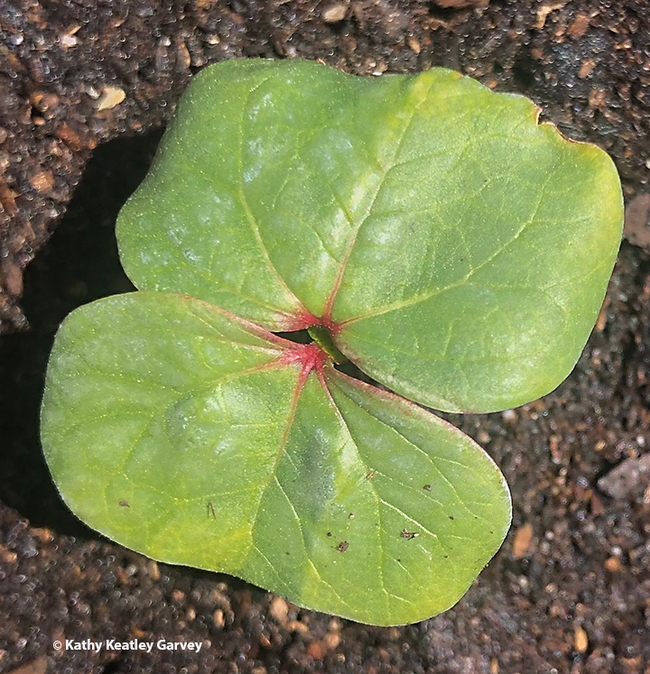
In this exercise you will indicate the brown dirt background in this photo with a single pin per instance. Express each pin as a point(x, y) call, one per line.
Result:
point(570, 589)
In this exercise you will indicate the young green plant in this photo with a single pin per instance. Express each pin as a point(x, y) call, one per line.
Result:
point(423, 227)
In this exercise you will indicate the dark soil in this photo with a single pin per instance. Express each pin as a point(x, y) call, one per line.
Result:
point(570, 589)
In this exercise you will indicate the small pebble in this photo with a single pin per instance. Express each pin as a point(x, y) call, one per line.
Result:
point(521, 546)
point(42, 182)
point(580, 639)
point(218, 619)
point(279, 610)
point(509, 416)
point(111, 96)
point(334, 13)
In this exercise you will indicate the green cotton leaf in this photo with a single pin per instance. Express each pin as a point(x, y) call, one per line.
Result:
point(458, 250)
point(423, 227)
point(200, 440)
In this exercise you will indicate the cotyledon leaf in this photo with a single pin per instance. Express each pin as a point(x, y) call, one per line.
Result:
point(197, 438)
point(457, 250)
point(427, 229)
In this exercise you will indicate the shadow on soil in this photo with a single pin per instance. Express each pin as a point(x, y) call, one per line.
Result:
point(79, 265)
